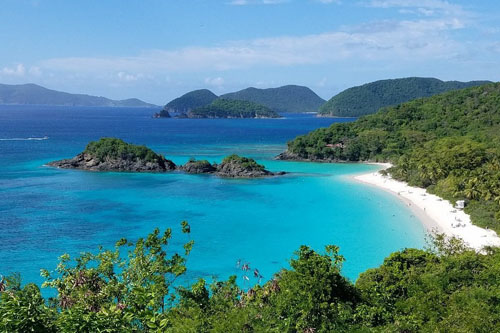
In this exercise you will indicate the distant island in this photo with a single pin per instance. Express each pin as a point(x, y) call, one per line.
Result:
point(112, 154)
point(290, 98)
point(225, 108)
point(189, 101)
point(447, 144)
point(32, 94)
point(370, 97)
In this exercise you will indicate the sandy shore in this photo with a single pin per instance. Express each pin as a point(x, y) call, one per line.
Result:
point(435, 213)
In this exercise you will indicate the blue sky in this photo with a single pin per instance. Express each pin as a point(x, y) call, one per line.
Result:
point(157, 50)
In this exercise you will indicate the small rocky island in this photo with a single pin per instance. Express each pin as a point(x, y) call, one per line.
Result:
point(243, 167)
point(232, 166)
point(111, 154)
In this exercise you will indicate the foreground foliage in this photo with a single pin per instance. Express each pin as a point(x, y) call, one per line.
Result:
point(445, 289)
point(449, 144)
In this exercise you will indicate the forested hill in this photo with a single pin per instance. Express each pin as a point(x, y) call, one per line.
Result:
point(191, 100)
point(34, 94)
point(448, 143)
point(289, 98)
point(370, 97)
point(225, 108)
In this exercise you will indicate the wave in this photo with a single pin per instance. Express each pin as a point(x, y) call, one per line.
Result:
point(26, 139)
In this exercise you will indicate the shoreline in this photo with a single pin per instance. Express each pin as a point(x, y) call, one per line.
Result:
point(435, 213)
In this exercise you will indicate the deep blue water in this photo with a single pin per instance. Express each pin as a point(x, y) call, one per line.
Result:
point(45, 212)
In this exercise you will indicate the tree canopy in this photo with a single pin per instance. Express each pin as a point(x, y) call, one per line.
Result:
point(288, 98)
point(113, 148)
point(370, 97)
point(131, 288)
point(225, 108)
point(191, 100)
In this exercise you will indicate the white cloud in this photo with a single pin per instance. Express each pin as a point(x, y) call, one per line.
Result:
point(18, 70)
point(35, 71)
point(127, 77)
point(424, 7)
point(322, 82)
point(216, 81)
point(329, 1)
point(255, 2)
point(410, 39)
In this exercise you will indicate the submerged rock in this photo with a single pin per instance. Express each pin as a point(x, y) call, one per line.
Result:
point(110, 154)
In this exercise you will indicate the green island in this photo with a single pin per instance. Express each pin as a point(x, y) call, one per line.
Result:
point(370, 97)
point(132, 288)
point(191, 100)
point(232, 166)
point(448, 144)
point(112, 154)
point(225, 108)
point(290, 98)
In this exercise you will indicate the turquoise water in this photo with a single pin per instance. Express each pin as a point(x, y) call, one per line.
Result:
point(46, 212)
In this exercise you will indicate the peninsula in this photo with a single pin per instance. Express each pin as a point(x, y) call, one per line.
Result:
point(370, 97)
point(447, 144)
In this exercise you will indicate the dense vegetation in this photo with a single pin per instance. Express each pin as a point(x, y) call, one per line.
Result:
point(370, 97)
point(224, 108)
point(191, 100)
point(449, 144)
point(132, 288)
point(35, 94)
point(245, 162)
point(283, 99)
point(113, 148)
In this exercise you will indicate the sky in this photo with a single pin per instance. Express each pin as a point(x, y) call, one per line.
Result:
point(157, 50)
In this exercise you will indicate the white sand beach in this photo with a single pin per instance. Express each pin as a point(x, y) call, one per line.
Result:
point(435, 213)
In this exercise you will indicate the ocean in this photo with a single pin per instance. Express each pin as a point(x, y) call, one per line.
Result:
point(45, 212)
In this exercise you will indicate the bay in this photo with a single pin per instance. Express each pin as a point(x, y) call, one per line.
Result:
point(45, 212)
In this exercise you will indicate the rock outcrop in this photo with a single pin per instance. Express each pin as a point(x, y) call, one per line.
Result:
point(235, 166)
point(197, 167)
point(109, 154)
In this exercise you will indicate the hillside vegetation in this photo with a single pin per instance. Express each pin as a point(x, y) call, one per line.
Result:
point(224, 108)
point(191, 100)
point(289, 98)
point(449, 144)
point(113, 148)
point(370, 97)
point(133, 288)
point(33, 94)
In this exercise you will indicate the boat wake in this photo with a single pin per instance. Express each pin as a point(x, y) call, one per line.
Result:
point(26, 139)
